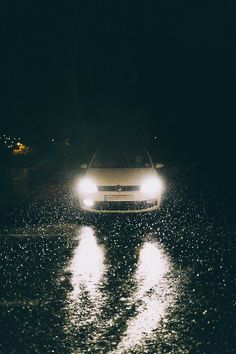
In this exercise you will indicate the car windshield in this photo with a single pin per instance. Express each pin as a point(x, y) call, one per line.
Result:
point(121, 159)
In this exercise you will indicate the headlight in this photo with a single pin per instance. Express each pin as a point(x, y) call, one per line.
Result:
point(87, 186)
point(152, 186)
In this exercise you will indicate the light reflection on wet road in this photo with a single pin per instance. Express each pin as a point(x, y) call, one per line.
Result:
point(153, 292)
point(92, 289)
point(86, 272)
point(87, 266)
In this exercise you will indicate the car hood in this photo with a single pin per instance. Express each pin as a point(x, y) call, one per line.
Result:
point(119, 176)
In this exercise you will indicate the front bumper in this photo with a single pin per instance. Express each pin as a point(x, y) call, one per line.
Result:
point(124, 206)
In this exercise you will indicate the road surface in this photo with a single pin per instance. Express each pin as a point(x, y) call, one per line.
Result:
point(118, 285)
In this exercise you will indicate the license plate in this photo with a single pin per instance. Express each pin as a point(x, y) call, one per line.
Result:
point(118, 198)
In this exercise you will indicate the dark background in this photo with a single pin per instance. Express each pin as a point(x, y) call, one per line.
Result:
point(75, 75)
point(82, 70)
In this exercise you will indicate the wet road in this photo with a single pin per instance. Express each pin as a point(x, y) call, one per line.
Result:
point(157, 285)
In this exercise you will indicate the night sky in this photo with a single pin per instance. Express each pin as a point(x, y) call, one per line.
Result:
point(103, 69)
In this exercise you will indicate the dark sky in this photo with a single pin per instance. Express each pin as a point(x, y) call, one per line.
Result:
point(150, 68)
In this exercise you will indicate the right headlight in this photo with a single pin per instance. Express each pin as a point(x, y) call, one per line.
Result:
point(152, 186)
point(87, 186)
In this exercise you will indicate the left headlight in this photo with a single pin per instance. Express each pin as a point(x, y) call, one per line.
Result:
point(152, 186)
point(87, 186)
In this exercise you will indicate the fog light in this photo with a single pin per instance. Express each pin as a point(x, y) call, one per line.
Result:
point(88, 203)
point(152, 186)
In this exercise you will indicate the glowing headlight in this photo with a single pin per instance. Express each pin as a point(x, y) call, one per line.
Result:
point(87, 186)
point(152, 186)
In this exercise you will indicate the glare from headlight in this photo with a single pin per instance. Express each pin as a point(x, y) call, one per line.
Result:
point(87, 186)
point(152, 186)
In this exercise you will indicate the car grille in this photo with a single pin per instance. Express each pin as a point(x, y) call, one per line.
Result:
point(118, 188)
point(125, 205)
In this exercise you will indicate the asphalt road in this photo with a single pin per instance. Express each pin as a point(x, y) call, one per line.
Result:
point(119, 286)
point(153, 284)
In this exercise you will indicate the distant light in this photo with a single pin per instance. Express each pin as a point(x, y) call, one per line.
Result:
point(11, 141)
point(21, 149)
point(53, 139)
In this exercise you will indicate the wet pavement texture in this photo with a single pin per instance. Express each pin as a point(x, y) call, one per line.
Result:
point(160, 283)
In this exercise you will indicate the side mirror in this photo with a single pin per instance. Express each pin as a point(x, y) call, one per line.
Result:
point(159, 165)
point(84, 166)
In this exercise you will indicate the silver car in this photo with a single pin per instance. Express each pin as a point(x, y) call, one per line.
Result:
point(120, 182)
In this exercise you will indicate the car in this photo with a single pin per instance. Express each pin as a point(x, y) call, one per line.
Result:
point(120, 181)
